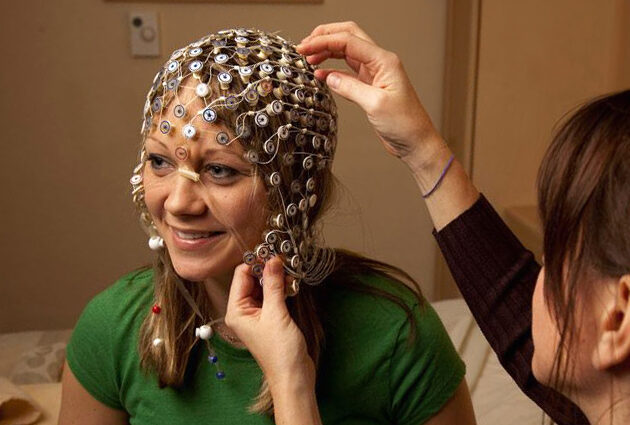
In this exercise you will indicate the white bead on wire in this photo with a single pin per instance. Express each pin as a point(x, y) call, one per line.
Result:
point(156, 243)
point(203, 332)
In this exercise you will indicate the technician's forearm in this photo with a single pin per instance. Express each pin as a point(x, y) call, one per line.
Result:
point(455, 193)
point(295, 404)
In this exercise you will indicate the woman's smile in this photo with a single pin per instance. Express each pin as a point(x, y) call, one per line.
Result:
point(190, 240)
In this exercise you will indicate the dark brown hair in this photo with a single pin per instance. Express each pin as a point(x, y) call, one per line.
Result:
point(584, 201)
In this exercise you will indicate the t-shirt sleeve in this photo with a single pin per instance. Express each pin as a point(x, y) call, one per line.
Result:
point(425, 374)
point(89, 352)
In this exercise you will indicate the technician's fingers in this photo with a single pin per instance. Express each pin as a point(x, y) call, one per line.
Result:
point(351, 88)
point(321, 57)
point(348, 26)
point(273, 285)
point(241, 292)
point(347, 46)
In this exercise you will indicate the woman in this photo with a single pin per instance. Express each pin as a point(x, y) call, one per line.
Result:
point(578, 340)
point(238, 139)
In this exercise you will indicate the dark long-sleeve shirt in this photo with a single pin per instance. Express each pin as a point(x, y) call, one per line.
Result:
point(496, 276)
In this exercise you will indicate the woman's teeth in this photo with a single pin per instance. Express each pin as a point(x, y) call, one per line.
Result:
point(183, 235)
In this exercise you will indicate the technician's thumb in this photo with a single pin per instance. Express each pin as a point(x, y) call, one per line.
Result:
point(351, 88)
point(273, 284)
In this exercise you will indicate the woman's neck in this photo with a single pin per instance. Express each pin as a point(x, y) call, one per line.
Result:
point(611, 407)
point(218, 290)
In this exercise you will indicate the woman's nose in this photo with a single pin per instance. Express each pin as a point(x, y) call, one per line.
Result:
point(184, 198)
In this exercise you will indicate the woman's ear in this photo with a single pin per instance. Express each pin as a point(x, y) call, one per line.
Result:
point(613, 346)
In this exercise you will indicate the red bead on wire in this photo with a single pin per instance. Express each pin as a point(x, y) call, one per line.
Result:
point(156, 309)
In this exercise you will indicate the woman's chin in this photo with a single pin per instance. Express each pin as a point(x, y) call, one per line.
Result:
point(193, 274)
point(540, 370)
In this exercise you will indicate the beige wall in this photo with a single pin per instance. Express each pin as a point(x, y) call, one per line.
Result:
point(537, 60)
point(512, 70)
point(70, 103)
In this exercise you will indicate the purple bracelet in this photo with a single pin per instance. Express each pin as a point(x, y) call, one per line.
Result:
point(448, 165)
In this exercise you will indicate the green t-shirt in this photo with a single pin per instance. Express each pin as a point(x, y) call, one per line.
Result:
point(367, 374)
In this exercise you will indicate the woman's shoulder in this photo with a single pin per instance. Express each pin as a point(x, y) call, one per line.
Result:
point(371, 295)
point(374, 310)
point(120, 308)
point(129, 291)
point(132, 283)
point(104, 336)
point(387, 346)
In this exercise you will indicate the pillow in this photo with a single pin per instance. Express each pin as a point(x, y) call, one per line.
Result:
point(40, 364)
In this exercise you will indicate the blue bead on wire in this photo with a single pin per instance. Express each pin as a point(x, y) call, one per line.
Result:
point(213, 359)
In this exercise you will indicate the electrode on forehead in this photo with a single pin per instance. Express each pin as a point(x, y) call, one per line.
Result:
point(222, 138)
point(209, 115)
point(165, 127)
point(179, 111)
point(189, 131)
point(181, 153)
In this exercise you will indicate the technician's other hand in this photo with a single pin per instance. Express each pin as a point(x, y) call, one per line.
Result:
point(267, 328)
point(379, 84)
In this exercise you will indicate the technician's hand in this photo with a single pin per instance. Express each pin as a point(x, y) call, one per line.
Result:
point(267, 329)
point(378, 84)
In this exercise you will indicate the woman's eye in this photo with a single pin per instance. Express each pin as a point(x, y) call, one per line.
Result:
point(157, 162)
point(220, 171)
